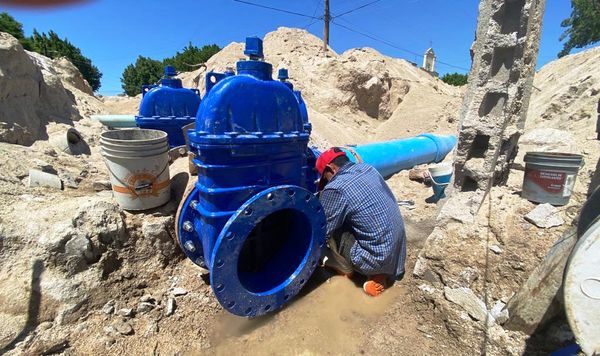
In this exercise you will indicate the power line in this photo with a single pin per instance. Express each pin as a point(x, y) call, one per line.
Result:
point(276, 9)
point(357, 8)
point(314, 14)
point(381, 40)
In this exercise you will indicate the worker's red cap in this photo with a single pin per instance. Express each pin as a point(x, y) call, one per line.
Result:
point(324, 159)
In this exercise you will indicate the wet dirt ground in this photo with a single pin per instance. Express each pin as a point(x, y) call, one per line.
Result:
point(332, 315)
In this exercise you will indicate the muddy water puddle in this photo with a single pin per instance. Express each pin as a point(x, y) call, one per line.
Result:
point(329, 317)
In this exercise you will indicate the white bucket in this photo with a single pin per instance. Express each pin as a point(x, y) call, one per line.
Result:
point(138, 162)
point(440, 175)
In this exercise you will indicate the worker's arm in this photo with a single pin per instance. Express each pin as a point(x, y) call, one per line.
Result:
point(335, 207)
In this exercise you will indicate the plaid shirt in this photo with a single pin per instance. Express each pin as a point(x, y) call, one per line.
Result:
point(357, 198)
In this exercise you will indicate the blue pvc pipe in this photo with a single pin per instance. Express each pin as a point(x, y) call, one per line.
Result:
point(391, 157)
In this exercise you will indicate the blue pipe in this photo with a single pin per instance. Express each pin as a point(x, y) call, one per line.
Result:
point(390, 157)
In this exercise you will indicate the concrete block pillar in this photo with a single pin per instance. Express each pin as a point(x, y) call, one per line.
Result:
point(500, 83)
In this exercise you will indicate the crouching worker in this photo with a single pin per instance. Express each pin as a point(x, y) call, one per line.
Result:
point(365, 231)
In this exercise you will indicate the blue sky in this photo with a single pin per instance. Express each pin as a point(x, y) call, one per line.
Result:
point(114, 32)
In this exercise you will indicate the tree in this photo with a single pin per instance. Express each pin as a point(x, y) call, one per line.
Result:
point(52, 46)
point(145, 71)
point(455, 79)
point(13, 27)
point(190, 56)
point(582, 27)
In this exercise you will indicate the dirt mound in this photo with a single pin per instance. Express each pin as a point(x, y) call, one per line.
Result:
point(355, 97)
point(35, 90)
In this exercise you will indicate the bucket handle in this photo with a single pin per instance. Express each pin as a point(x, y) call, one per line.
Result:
point(135, 189)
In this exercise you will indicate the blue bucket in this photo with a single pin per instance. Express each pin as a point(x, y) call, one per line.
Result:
point(440, 177)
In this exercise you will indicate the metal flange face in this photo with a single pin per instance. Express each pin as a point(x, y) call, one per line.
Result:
point(225, 279)
point(187, 230)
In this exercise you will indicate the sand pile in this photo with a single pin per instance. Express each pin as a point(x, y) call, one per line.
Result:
point(355, 97)
point(35, 90)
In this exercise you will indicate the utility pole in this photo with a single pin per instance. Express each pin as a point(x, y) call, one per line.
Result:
point(326, 18)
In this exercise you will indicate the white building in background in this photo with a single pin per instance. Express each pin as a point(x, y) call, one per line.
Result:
point(429, 60)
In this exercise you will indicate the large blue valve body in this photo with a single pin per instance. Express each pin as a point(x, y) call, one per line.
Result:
point(168, 107)
point(250, 219)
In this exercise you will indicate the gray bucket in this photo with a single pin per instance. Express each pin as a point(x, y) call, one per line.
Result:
point(550, 176)
point(138, 162)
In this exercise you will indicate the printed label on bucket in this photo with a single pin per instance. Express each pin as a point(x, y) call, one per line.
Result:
point(552, 182)
point(141, 183)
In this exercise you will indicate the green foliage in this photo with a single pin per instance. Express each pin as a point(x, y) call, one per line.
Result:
point(9, 25)
point(191, 56)
point(52, 46)
point(455, 79)
point(582, 27)
point(145, 71)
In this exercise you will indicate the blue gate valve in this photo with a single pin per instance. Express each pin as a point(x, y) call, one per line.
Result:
point(252, 218)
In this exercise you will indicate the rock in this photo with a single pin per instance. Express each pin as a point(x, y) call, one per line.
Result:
point(544, 216)
point(466, 299)
point(156, 228)
point(69, 181)
point(171, 305)
point(109, 307)
point(496, 249)
point(100, 185)
point(102, 221)
point(536, 302)
point(109, 341)
point(148, 299)
point(144, 307)
point(45, 325)
point(42, 179)
point(499, 313)
point(178, 291)
point(44, 166)
point(50, 152)
point(126, 312)
point(124, 328)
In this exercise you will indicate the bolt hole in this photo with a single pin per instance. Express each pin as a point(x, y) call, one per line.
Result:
point(286, 297)
point(318, 208)
point(220, 263)
point(302, 281)
point(322, 225)
point(314, 263)
point(308, 196)
point(229, 235)
point(267, 308)
point(248, 311)
point(213, 79)
point(248, 212)
point(291, 192)
point(231, 304)
point(321, 245)
point(220, 287)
